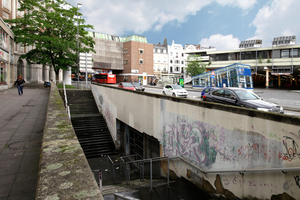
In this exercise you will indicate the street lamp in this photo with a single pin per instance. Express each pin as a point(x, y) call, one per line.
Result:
point(78, 6)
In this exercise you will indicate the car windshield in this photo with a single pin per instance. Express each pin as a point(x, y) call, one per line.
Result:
point(135, 84)
point(127, 85)
point(176, 87)
point(246, 95)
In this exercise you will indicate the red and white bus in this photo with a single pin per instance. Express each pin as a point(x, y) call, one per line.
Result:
point(105, 78)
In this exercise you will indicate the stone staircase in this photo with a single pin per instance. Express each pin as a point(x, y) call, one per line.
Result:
point(89, 125)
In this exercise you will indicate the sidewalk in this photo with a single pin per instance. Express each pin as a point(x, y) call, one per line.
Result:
point(22, 120)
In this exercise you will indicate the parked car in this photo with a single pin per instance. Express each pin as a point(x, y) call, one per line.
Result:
point(126, 85)
point(138, 86)
point(243, 98)
point(207, 90)
point(175, 90)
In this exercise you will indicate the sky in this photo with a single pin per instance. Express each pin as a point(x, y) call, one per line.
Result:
point(219, 23)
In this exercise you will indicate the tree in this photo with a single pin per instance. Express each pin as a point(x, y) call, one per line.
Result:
point(50, 28)
point(195, 65)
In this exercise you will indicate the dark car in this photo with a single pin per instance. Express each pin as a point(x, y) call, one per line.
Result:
point(138, 86)
point(207, 90)
point(243, 98)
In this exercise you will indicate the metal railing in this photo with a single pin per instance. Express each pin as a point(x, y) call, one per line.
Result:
point(66, 101)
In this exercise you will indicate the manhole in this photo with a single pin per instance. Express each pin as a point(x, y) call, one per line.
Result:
point(25, 145)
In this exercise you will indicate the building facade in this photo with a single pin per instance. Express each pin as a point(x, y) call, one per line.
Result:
point(137, 60)
point(160, 60)
point(276, 66)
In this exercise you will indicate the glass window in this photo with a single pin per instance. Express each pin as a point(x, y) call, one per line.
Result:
point(285, 53)
point(218, 93)
point(294, 52)
point(141, 61)
point(228, 94)
point(141, 51)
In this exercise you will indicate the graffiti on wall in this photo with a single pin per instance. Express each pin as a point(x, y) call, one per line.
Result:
point(204, 145)
point(290, 149)
point(240, 182)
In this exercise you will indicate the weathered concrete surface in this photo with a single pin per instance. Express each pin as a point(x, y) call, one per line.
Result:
point(64, 172)
point(218, 139)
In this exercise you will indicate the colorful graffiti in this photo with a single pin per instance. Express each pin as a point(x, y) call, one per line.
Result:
point(204, 144)
point(189, 141)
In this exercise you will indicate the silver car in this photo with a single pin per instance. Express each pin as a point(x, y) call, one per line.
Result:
point(175, 91)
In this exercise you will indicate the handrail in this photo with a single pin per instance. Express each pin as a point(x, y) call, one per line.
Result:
point(66, 101)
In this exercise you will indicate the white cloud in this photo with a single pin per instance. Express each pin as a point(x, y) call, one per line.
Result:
point(279, 18)
point(221, 42)
point(119, 16)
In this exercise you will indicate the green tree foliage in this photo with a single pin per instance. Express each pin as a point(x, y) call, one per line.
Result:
point(50, 28)
point(195, 65)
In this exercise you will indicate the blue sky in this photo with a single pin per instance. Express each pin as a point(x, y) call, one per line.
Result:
point(220, 23)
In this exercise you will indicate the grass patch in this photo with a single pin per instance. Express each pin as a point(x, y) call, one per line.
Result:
point(60, 85)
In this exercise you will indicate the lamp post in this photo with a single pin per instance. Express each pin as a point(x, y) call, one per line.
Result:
point(78, 6)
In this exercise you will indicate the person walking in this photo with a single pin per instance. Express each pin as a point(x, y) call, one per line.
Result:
point(20, 84)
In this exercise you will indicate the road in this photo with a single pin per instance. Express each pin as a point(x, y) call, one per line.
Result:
point(290, 100)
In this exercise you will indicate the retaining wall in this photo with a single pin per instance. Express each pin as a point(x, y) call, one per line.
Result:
point(64, 172)
point(213, 138)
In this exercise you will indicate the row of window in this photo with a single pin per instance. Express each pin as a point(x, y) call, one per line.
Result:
point(251, 55)
point(125, 62)
point(156, 50)
point(177, 62)
point(125, 51)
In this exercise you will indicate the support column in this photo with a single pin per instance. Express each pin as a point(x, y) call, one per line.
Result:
point(279, 81)
point(267, 78)
point(67, 76)
point(46, 73)
point(52, 74)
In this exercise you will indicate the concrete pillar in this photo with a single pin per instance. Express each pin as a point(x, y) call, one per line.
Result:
point(279, 81)
point(36, 73)
point(60, 75)
point(67, 76)
point(52, 74)
point(46, 73)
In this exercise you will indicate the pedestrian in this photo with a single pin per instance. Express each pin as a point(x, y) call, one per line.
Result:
point(224, 84)
point(20, 84)
point(213, 85)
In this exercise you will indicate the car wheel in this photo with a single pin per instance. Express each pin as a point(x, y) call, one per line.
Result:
point(164, 93)
point(174, 95)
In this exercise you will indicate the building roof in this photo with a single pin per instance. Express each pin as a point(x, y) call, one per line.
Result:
point(255, 49)
point(135, 38)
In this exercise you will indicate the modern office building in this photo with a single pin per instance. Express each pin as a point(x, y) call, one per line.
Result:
point(275, 66)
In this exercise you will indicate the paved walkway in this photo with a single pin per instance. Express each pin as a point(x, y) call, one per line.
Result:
point(22, 120)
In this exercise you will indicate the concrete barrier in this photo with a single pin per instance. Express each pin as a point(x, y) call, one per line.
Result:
point(236, 152)
point(64, 172)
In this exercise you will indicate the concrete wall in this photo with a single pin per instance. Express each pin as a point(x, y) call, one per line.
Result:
point(64, 172)
point(212, 138)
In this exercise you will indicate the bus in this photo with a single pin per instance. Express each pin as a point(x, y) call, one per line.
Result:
point(235, 75)
point(105, 78)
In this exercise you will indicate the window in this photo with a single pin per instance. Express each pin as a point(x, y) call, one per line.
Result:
point(218, 93)
point(176, 69)
point(164, 51)
point(171, 61)
point(182, 55)
point(158, 50)
point(141, 51)
point(285, 53)
point(294, 53)
point(171, 53)
point(141, 61)
point(182, 62)
point(229, 94)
